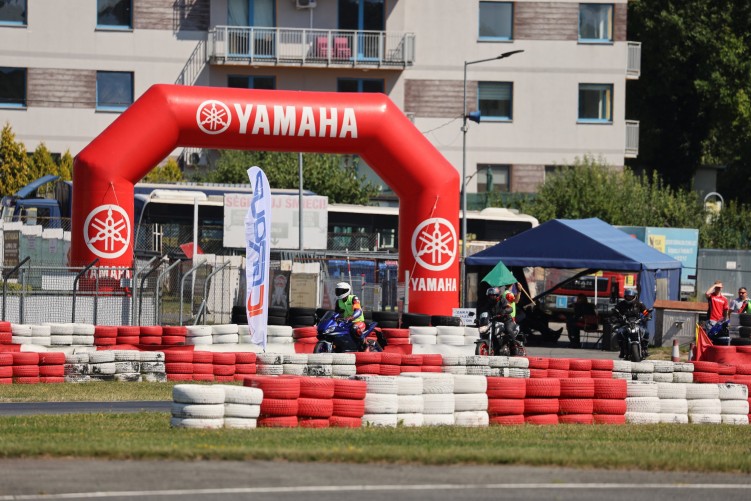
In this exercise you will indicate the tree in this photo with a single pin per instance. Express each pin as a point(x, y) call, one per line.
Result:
point(41, 163)
point(65, 168)
point(167, 173)
point(328, 175)
point(13, 162)
point(693, 98)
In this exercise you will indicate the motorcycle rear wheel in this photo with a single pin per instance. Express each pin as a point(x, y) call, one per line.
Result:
point(518, 350)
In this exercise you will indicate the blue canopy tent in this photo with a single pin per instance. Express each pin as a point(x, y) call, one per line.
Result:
point(588, 244)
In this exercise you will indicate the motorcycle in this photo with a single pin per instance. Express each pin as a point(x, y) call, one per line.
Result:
point(631, 329)
point(495, 341)
point(719, 333)
point(335, 336)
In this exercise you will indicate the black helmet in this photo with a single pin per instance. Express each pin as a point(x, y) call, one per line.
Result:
point(493, 293)
point(629, 295)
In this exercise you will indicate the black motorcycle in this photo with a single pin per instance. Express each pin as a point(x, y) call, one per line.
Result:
point(630, 330)
point(495, 341)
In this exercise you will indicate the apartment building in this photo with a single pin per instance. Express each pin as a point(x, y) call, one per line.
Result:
point(68, 69)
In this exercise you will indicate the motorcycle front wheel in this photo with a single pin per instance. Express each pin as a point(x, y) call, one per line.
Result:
point(635, 352)
point(482, 348)
point(372, 346)
point(518, 350)
point(323, 347)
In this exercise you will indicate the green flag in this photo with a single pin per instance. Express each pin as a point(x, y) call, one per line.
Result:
point(500, 275)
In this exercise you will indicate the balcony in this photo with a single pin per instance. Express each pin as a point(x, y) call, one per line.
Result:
point(632, 139)
point(633, 65)
point(306, 47)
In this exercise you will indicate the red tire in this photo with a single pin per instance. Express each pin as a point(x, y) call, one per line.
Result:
point(178, 368)
point(105, 331)
point(538, 373)
point(390, 333)
point(245, 368)
point(6, 371)
point(315, 407)
point(577, 388)
point(369, 369)
point(503, 387)
point(174, 330)
point(609, 419)
point(345, 422)
point(6, 337)
point(25, 371)
point(127, 339)
point(51, 358)
point(706, 366)
point(412, 360)
point(180, 377)
point(390, 370)
point(575, 406)
point(544, 387)
point(203, 357)
point(315, 387)
point(279, 407)
point(203, 368)
point(151, 340)
point(411, 368)
point(208, 378)
point(609, 406)
point(126, 330)
point(602, 364)
point(580, 364)
point(26, 380)
point(576, 419)
point(505, 406)
point(6, 359)
point(345, 407)
point(367, 358)
point(541, 419)
point(539, 362)
point(434, 359)
point(224, 379)
point(173, 340)
point(349, 389)
point(51, 371)
point(540, 406)
point(150, 330)
point(610, 388)
point(245, 357)
point(391, 358)
point(277, 422)
point(432, 368)
point(25, 358)
point(559, 364)
point(275, 387)
point(6, 380)
point(105, 341)
point(557, 373)
point(183, 356)
point(223, 358)
point(580, 374)
point(224, 370)
point(706, 377)
point(507, 420)
point(313, 423)
point(304, 332)
point(598, 374)
point(52, 379)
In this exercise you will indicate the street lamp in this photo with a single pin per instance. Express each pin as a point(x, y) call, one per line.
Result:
point(475, 117)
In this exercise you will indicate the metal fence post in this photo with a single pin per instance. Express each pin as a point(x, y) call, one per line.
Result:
point(143, 282)
point(157, 313)
point(7, 275)
point(182, 285)
point(75, 287)
point(203, 307)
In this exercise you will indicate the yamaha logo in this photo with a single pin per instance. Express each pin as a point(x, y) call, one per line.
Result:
point(213, 117)
point(107, 231)
point(434, 244)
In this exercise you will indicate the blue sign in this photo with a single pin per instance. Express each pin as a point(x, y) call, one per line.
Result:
point(681, 244)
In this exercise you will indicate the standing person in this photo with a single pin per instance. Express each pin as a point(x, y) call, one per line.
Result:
point(584, 316)
point(741, 304)
point(513, 298)
point(348, 306)
point(718, 307)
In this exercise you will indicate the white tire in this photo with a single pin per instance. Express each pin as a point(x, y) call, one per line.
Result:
point(517, 373)
point(734, 407)
point(296, 358)
point(642, 367)
point(198, 411)
point(471, 418)
point(154, 377)
point(198, 331)
point(662, 377)
point(734, 419)
point(438, 403)
point(270, 358)
point(225, 338)
point(478, 360)
point(671, 390)
point(683, 367)
point(276, 330)
point(641, 389)
point(20, 339)
point(705, 418)
point(447, 340)
point(683, 377)
point(663, 366)
point(127, 367)
point(622, 375)
point(409, 386)
point(104, 369)
point(621, 366)
point(698, 391)
point(199, 341)
point(518, 363)
point(409, 404)
point(294, 369)
point(241, 394)
point(239, 423)
point(705, 406)
point(673, 406)
point(643, 376)
point(732, 391)
point(454, 369)
point(127, 355)
point(61, 340)
point(224, 329)
point(389, 420)
point(124, 377)
point(422, 339)
point(82, 340)
point(434, 382)
point(198, 394)
point(343, 358)
point(465, 402)
point(674, 418)
point(320, 359)
point(245, 411)
point(381, 403)
point(101, 357)
point(471, 332)
point(478, 370)
point(498, 361)
point(319, 370)
point(152, 367)
point(410, 419)
point(423, 331)
point(449, 330)
point(197, 423)
point(20, 329)
point(470, 384)
point(77, 358)
point(379, 384)
point(643, 404)
point(270, 370)
point(642, 417)
point(84, 329)
point(152, 356)
point(343, 370)
point(438, 419)
point(60, 328)
point(454, 360)
point(41, 331)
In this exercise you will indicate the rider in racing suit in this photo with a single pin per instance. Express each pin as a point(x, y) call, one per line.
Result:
point(499, 309)
point(631, 307)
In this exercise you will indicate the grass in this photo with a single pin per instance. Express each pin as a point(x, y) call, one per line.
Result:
point(149, 436)
point(85, 392)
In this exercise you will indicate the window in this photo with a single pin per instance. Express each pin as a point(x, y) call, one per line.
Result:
point(494, 99)
point(596, 103)
point(595, 22)
point(115, 14)
point(114, 90)
point(250, 82)
point(360, 85)
point(496, 21)
point(13, 12)
point(492, 178)
point(12, 87)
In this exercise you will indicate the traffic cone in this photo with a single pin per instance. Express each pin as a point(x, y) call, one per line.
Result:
point(676, 356)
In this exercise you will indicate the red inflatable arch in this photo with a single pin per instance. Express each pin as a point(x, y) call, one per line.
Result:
point(370, 125)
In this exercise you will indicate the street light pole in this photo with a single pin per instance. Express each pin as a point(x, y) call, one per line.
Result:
point(464, 169)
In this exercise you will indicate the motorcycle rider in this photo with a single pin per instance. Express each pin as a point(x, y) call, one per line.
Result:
point(499, 309)
point(631, 307)
point(349, 308)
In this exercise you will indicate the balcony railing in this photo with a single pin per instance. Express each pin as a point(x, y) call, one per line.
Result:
point(633, 65)
point(304, 47)
point(632, 139)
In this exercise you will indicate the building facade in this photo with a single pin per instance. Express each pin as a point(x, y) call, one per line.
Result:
point(68, 69)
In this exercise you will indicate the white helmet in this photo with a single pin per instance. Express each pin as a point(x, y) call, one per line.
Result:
point(342, 290)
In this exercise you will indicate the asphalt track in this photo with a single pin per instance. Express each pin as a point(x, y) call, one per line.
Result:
point(57, 479)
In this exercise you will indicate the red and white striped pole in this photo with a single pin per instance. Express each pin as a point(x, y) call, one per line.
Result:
point(676, 356)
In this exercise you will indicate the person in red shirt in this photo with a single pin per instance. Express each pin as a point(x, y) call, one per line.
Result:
point(718, 305)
